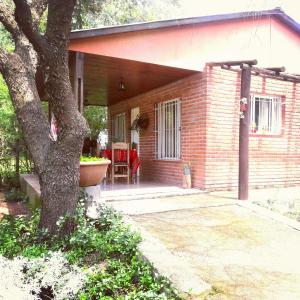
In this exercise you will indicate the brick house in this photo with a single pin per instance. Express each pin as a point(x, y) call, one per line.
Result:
point(161, 70)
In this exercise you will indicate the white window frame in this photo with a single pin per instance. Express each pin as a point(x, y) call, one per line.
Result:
point(168, 130)
point(269, 118)
point(119, 128)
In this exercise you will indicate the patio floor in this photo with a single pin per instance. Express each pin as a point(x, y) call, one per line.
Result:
point(112, 192)
point(142, 190)
point(242, 253)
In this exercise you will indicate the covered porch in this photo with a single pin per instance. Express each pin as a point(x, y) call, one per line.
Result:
point(118, 70)
point(112, 82)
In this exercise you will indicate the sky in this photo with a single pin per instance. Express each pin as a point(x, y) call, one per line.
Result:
point(191, 8)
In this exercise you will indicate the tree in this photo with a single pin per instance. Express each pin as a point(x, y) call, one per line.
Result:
point(95, 13)
point(56, 162)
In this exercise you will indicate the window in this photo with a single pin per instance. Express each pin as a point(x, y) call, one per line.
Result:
point(167, 129)
point(118, 128)
point(265, 115)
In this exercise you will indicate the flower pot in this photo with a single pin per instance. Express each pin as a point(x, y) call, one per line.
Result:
point(92, 173)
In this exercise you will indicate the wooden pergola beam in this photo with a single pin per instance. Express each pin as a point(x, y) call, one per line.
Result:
point(276, 69)
point(232, 63)
point(276, 75)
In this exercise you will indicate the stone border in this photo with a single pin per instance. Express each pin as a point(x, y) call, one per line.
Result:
point(265, 212)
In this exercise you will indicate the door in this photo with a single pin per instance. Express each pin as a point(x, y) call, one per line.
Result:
point(135, 136)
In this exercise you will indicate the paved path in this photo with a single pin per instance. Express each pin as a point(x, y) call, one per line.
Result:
point(239, 252)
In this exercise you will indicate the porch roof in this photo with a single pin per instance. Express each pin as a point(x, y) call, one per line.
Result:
point(103, 76)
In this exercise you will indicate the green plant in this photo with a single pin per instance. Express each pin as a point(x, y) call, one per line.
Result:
point(92, 158)
point(15, 195)
point(97, 118)
point(106, 247)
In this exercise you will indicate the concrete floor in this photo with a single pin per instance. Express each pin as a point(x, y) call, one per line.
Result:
point(239, 252)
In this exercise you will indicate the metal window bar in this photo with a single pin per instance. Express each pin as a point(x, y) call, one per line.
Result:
point(119, 128)
point(267, 115)
point(167, 129)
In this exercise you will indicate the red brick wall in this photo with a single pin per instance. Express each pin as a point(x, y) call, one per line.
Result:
point(210, 132)
point(273, 160)
point(192, 91)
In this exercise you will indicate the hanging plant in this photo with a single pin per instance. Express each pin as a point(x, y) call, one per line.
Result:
point(140, 122)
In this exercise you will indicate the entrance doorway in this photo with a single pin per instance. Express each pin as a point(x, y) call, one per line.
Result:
point(135, 135)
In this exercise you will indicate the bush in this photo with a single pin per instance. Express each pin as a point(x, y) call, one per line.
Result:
point(101, 254)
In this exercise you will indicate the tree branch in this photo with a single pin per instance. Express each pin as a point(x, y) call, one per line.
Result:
point(28, 22)
point(38, 7)
point(3, 59)
point(27, 104)
point(7, 19)
point(59, 23)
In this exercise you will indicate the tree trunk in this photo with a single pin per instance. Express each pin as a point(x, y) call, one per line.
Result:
point(59, 190)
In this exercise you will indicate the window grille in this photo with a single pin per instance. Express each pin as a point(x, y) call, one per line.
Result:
point(266, 115)
point(118, 128)
point(167, 129)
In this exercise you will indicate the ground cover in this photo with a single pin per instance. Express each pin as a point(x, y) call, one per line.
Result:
point(99, 260)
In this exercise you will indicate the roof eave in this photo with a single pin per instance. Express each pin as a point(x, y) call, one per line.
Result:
point(277, 13)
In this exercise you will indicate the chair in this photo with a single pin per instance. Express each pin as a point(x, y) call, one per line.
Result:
point(120, 163)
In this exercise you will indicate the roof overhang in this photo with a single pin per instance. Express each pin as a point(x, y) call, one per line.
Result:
point(96, 32)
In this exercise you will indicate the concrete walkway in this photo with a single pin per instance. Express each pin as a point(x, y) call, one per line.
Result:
point(240, 253)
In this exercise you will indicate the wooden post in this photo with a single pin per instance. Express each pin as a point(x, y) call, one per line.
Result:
point(79, 80)
point(244, 133)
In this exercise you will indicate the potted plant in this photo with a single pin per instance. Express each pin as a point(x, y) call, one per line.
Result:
point(92, 170)
point(141, 122)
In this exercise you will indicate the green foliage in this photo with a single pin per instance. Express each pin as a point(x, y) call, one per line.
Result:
point(96, 117)
point(106, 245)
point(11, 141)
point(8, 132)
point(89, 159)
point(15, 195)
point(134, 279)
point(18, 233)
point(99, 13)
point(5, 39)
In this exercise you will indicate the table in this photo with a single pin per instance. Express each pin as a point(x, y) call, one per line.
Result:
point(121, 156)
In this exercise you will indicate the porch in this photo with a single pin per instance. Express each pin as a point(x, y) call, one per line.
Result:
point(108, 192)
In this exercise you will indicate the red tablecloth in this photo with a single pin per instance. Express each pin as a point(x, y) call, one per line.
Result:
point(121, 156)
